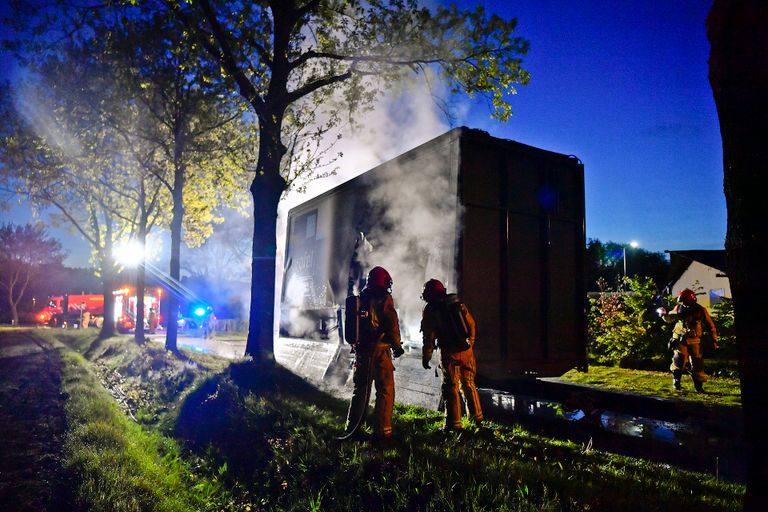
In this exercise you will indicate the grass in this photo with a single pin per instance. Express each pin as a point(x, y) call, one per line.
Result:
point(723, 391)
point(117, 465)
point(293, 462)
point(258, 438)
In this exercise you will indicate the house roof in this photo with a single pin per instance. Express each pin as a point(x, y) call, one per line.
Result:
point(681, 260)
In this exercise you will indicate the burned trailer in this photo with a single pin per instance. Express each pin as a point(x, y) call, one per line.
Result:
point(500, 222)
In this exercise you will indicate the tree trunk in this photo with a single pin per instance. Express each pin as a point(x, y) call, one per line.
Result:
point(108, 283)
point(175, 266)
point(738, 74)
point(12, 304)
point(19, 296)
point(266, 189)
point(141, 272)
point(140, 286)
point(108, 286)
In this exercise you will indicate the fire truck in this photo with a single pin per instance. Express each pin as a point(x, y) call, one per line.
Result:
point(67, 310)
point(125, 308)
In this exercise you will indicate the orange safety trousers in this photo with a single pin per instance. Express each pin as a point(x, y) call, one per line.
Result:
point(689, 348)
point(459, 369)
point(375, 363)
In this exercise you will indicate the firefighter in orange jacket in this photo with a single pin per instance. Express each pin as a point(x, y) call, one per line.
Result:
point(457, 358)
point(691, 320)
point(380, 337)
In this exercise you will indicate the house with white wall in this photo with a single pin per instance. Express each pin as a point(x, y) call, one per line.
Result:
point(703, 271)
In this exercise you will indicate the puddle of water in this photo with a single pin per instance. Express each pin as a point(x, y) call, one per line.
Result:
point(687, 444)
point(623, 424)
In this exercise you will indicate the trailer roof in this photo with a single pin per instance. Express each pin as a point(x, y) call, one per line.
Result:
point(461, 132)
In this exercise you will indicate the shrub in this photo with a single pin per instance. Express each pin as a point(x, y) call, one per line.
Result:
point(622, 324)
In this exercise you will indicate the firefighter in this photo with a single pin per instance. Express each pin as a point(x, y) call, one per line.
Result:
point(457, 358)
point(379, 339)
point(691, 320)
point(152, 320)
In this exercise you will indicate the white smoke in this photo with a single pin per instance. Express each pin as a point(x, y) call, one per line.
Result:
point(417, 210)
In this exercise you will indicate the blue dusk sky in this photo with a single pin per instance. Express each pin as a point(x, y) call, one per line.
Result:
point(623, 86)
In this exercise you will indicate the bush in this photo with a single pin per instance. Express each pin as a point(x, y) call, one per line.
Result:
point(722, 315)
point(623, 327)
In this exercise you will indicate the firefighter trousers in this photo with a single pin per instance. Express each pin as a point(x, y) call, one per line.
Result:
point(459, 369)
point(689, 348)
point(376, 364)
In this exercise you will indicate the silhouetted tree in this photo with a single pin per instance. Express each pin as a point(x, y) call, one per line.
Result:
point(23, 251)
point(738, 74)
point(287, 57)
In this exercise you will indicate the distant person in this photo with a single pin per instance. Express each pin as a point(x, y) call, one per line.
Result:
point(447, 324)
point(691, 320)
point(152, 320)
point(82, 314)
point(209, 323)
point(379, 340)
point(86, 320)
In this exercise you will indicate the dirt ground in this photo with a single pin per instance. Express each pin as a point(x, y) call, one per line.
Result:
point(32, 424)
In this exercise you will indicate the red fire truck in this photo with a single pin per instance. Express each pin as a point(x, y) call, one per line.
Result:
point(67, 310)
point(125, 308)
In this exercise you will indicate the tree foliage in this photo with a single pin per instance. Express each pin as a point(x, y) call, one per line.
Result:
point(605, 260)
point(174, 139)
point(622, 327)
point(305, 67)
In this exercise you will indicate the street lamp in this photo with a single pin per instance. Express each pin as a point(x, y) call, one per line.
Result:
point(633, 245)
point(130, 254)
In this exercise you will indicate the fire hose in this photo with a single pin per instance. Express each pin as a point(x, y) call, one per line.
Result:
point(364, 408)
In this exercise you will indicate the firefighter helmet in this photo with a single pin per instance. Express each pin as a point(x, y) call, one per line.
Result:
point(686, 296)
point(434, 290)
point(379, 278)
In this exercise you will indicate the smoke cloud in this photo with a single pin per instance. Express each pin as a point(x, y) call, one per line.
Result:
point(415, 227)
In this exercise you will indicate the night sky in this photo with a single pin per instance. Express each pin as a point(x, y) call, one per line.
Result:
point(623, 86)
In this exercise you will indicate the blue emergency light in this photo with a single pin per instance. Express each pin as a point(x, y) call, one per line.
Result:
point(200, 311)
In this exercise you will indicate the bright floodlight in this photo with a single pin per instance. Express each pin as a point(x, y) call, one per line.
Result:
point(130, 253)
point(633, 244)
point(199, 312)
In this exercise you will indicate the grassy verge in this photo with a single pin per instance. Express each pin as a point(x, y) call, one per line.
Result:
point(276, 432)
point(263, 439)
point(719, 390)
point(114, 463)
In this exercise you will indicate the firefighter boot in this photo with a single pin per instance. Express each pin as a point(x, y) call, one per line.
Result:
point(698, 385)
point(676, 376)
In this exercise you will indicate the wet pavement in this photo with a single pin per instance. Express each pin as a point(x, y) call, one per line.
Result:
point(221, 344)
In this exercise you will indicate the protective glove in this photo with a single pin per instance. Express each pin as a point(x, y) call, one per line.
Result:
point(398, 351)
point(425, 363)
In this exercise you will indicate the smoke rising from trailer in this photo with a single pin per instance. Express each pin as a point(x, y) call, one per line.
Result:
point(412, 232)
